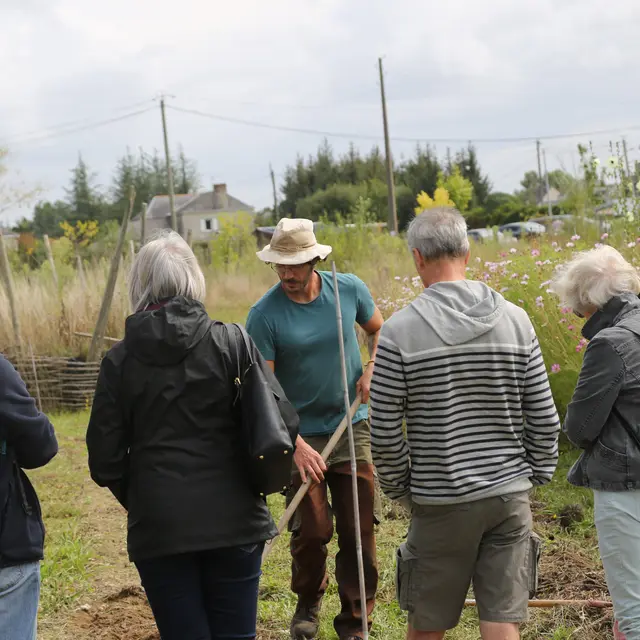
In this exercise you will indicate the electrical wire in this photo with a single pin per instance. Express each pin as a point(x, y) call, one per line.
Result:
point(93, 125)
point(360, 136)
point(27, 135)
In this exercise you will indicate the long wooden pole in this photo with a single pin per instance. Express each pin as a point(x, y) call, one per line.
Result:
point(52, 264)
point(549, 604)
point(35, 377)
point(391, 187)
point(103, 316)
point(354, 462)
point(297, 499)
point(5, 268)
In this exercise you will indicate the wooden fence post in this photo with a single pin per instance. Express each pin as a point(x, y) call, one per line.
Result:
point(47, 247)
point(5, 268)
point(35, 377)
point(103, 316)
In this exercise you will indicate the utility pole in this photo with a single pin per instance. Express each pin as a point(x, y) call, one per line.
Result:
point(391, 188)
point(546, 178)
point(626, 162)
point(172, 200)
point(539, 189)
point(276, 215)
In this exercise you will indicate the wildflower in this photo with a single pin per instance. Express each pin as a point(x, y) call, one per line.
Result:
point(559, 249)
point(514, 276)
point(604, 236)
point(554, 244)
point(539, 301)
point(504, 289)
point(478, 259)
point(565, 310)
point(525, 276)
point(630, 217)
point(598, 245)
point(524, 282)
point(613, 162)
point(535, 252)
point(581, 345)
point(555, 368)
point(546, 283)
point(521, 301)
point(571, 327)
point(575, 238)
point(570, 245)
point(397, 278)
point(631, 245)
point(513, 251)
point(563, 320)
point(595, 161)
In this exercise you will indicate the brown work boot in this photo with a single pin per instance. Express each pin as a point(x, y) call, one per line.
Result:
point(304, 624)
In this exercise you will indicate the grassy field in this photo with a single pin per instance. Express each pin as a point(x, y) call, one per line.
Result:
point(91, 591)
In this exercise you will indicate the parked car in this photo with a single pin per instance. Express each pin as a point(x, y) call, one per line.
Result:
point(482, 235)
point(523, 229)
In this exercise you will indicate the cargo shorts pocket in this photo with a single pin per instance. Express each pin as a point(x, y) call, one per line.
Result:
point(405, 567)
point(533, 560)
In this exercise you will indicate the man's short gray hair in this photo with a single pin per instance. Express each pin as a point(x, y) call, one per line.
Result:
point(165, 267)
point(439, 233)
point(593, 277)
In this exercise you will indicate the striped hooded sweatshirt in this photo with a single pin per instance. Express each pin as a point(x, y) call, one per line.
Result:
point(463, 368)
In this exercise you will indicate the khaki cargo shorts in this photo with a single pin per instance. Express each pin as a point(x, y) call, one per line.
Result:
point(488, 543)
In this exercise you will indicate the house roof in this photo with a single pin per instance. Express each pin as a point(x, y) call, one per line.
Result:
point(159, 207)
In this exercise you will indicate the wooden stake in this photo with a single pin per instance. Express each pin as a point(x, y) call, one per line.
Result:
point(103, 316)
point(354, 462)
point(35, 377)
point(5, 268)
point(297, 499)
point(47, 248)
point(549, 604)
point(90, 335)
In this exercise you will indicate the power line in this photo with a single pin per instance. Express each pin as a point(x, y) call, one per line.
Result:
point(93, 125)
point(360, 136)
point(18, 137)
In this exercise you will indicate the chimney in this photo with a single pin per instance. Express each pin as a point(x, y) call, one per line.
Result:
point(220, 198)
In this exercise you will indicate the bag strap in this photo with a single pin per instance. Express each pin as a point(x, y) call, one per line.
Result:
point(235, 351)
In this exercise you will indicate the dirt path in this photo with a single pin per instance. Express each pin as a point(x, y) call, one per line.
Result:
point(116, 608)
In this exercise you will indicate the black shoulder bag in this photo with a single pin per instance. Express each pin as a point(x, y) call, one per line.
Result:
point(264, 418)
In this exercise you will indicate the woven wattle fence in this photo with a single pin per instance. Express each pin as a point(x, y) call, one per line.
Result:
point(59, 384)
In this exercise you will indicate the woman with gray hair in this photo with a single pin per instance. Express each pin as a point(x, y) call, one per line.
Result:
point(164, 437)
point(603, 417)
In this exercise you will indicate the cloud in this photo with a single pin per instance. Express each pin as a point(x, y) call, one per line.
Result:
point(458, 69)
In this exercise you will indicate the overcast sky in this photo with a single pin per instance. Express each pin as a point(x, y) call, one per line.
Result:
point(462, 69)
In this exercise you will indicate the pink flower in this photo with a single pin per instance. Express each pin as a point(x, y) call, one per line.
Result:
point(539, 301)
point(571, 327)
point(525, 276)
point(563, 320)
point(570, 245)
point(575, 238)
point(554, 244)
point(604, 236)
point(535, 252)
point(555, 368)
point(546, 283)
point(581, 345)
point(598, 245)
point(565, 310)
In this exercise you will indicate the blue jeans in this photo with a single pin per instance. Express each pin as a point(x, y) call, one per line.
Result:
point(208, 595)
point(617, 516)
point(19, 597)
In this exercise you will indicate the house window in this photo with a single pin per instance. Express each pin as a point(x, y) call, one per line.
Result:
point(209, 225)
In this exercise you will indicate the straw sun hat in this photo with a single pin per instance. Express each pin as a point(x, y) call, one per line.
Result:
point(293, 242)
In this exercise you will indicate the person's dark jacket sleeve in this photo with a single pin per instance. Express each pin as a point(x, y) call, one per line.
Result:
point(107, 435)
point(25, 429)
point(597, 390)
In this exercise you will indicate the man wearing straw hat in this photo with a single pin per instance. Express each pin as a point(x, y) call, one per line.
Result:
point(294, 326)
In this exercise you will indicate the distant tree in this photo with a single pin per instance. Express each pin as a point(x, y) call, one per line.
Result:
point(84, 198)
point(467, 161)
point(47, 217)
point(458, 187)
point(421, 172)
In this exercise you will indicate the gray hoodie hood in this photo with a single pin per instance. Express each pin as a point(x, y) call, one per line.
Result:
point(460, 311)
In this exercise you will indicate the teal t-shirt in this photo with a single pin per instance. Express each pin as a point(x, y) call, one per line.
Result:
point(302, 340)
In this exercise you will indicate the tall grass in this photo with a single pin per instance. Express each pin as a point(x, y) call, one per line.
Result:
point(51, 317)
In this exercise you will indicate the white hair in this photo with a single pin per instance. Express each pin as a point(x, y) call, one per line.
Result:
point(439, 233)
point(165, 267)
point(593, 277)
